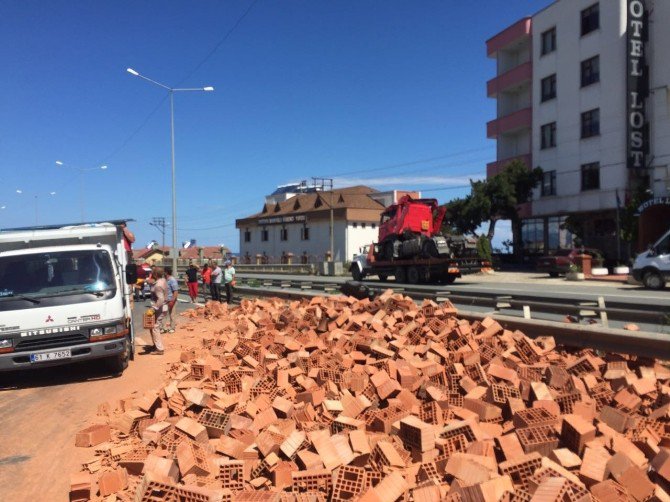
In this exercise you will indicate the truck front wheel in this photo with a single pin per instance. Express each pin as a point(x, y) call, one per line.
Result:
point(117, 364)
point(400, 275)
point(356, 274)
point(382, 277)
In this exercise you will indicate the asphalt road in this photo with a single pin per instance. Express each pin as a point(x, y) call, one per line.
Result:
point(42, 410)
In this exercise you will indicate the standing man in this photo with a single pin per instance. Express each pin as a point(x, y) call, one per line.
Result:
point(172, 295)
point(159, 304)
point(229, 281)
point(217, 275)
point(192, 281)
point(206, 275)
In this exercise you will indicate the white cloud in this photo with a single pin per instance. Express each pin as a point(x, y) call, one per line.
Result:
point(405, 181)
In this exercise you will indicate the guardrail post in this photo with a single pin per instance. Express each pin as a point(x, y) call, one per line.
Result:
point(526, 312)
point(603, 312)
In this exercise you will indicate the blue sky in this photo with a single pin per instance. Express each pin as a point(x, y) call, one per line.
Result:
point(386, 93)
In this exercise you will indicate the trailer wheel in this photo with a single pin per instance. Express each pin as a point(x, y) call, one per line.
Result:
point(413, 276)
point(400, 275)
point(382, 277)
point(448, 279)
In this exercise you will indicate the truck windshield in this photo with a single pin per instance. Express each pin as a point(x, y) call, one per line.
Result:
point(56, 273)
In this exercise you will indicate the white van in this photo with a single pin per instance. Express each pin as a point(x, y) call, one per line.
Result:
point(652, 267)
point(65, 296)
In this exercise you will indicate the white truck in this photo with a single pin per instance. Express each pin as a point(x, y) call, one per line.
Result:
point(65, 296)
point(652, 267)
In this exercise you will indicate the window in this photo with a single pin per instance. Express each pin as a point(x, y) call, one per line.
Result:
point(548, 136)
point(548, 41)
point(374, 225)
point(304, 233)
point(549, 88)
point(264, 235)
point(591, 71)
point(247, 236)
point(283, 234)
point(591, 176)
point(532, 233)
point(363, 225)
point(590, 19)
point(355, 225)
point(591, 123)
point(548, 183)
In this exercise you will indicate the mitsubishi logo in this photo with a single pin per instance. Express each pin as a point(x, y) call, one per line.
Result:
point(49, 319)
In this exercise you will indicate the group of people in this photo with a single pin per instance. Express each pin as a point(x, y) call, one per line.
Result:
point(214, 279)
point(165, 291)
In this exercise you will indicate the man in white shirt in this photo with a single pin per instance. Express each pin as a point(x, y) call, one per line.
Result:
point(229, 280)
point(217, 276)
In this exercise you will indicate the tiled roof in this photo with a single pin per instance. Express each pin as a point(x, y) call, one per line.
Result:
point(349, 198)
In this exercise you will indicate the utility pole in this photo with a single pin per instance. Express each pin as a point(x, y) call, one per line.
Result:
point(159, 223)
point(328, 182)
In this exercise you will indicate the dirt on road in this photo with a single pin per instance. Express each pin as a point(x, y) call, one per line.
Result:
point(41, 411)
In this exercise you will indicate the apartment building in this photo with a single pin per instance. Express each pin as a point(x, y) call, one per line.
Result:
point(582, 91)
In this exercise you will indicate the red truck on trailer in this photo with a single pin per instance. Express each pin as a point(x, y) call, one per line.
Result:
point(411, 247)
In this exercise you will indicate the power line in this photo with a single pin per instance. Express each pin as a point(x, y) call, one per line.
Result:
point(219, 43)
point(159, 223)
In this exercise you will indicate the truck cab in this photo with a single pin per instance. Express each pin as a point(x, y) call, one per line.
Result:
point(652, 267)
point(64, 296)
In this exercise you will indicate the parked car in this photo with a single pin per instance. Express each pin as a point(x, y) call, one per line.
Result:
point(142, 286)
point(562, 259)
point(652, 267)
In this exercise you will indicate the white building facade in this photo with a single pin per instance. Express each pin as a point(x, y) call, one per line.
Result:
point(300, 225)
point(589, 87)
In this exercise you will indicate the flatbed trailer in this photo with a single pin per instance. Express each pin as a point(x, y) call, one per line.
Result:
point(415, 270)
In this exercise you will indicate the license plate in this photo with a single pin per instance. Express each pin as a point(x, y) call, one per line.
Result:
point(50, 356)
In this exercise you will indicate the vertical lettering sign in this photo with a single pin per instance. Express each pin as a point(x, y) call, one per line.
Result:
point(637, 85)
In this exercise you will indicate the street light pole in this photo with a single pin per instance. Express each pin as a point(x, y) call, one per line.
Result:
point(81, 172)
point(171, 91)
point(174, 189)
point(36, 198)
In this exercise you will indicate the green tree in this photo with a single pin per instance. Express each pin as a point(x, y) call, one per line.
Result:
point(494, 199)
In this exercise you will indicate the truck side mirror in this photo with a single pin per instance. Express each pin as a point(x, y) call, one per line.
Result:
point(651, 250)
point(131, 273)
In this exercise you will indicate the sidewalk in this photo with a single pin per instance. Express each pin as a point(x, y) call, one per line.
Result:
point(617, 281)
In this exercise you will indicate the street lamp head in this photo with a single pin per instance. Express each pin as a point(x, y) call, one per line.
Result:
point(59, 163)
point(132, 72)
point(52, 193)
point(103, 167)
point(19, 191)
point(208, 88)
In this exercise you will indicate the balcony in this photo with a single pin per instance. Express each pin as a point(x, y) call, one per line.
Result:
point(493, 168)
point(514, 77)
point(516, 33)
point(521, 119)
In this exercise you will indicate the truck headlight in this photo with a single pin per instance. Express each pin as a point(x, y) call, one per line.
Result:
point(6, 343)
point(95, 332)
point(110, 330)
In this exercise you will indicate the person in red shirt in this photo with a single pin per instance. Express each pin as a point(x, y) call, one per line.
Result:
point(206, 275)
point(128, 239)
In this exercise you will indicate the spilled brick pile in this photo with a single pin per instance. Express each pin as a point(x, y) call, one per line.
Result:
point(378, 401)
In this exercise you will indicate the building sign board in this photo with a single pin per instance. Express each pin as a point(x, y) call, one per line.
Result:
point(281, 220)
point(658, 201)
point(637, 84)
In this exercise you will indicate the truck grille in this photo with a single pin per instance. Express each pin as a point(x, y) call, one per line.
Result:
point(50, 342)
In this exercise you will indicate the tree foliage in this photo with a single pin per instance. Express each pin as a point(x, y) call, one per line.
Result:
point(493, 199)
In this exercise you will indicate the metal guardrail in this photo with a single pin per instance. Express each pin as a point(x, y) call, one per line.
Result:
point(641, 343)
point(579, 308)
